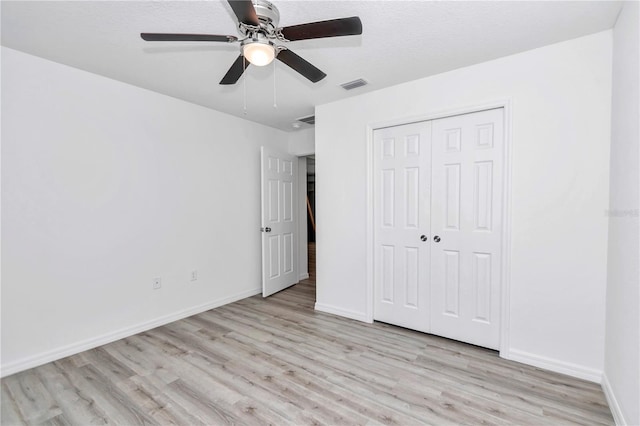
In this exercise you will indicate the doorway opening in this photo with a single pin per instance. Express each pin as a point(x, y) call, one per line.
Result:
point(311, 214)
point(307, 224)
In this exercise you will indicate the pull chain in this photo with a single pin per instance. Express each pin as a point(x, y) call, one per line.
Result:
point(275, 104)
point(244, 85)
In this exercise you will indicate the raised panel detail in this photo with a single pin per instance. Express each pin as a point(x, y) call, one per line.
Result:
point(452, 196)
point(412, 196)
point(287, 252)
point(274, 249)
point(412, 145)
point(388, 148)
point(482, 286)
point(388, 266)
point(484, 136)
point(411, 277)
point(287, 201)
point(452, 140)
point(272, 164)
point(287, 167)
point(274, 196)
point(388, 197)
point(451, 282)
point(483, 195)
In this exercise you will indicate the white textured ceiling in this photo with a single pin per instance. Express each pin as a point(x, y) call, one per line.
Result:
point(401, 41)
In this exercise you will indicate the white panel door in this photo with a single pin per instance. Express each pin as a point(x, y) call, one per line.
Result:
point(401, 214)
point(279, 243)
point(466, 224)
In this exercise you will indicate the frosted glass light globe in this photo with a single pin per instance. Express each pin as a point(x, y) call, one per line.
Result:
point(259, 54)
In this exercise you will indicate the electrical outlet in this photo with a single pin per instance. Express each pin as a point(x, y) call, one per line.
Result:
point(194, 275)
point(157, 283)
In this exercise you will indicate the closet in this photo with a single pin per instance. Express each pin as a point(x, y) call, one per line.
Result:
point(438, 224)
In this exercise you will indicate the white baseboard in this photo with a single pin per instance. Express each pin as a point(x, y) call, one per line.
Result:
point(360, 316)
point(616, 411)
point(304, 276)
point(568, 368)
point(93, 342)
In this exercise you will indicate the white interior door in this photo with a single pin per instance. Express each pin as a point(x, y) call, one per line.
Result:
point(466, 223)
point(438, 224)
point(279, 221)
point(402, 196)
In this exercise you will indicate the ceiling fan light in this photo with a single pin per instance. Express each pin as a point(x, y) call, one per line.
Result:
point(259, 54)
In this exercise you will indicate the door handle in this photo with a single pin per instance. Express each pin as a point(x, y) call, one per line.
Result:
point(436, 239)
point(423, 238)
point(267, 229)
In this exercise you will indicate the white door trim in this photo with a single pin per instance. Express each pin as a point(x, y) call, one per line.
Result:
point(505, 273)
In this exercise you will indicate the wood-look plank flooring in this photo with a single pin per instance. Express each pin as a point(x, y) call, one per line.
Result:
point(277, 361)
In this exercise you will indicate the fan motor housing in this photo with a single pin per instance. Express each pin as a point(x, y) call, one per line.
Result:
point(267, 12)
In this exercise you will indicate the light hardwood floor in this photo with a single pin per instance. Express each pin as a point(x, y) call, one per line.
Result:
point(277, 361)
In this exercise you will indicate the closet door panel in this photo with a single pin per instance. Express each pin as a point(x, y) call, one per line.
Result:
point(467, 163)
point(402, 174)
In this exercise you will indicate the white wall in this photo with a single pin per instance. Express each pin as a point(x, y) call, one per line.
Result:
point(561, 100)
point(106, 186)
point(302, 142)
point(622, 349)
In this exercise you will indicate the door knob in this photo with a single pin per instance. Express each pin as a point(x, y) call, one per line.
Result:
point(267, 229)
point(423, 237)
point(436, 239)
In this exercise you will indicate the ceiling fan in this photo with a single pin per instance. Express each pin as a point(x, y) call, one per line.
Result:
point(258, 26)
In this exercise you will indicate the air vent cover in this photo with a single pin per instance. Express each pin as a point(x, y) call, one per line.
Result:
point(354, 84)
point(308, 120)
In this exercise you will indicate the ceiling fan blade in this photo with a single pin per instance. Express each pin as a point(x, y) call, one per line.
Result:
point(245, 12)
point(331, 28)
point(303, 67)
point(187, 37)
point(235, 72)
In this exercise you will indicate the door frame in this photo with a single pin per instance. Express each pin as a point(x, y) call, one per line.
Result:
point(505, 261)
point(302, 212)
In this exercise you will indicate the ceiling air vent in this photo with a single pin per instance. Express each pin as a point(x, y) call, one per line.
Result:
point(308, 120)
point(354, 84)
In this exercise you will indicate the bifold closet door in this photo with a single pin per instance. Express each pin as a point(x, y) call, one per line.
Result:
point(466, 217)
point(402, 174)
point(438, 221)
